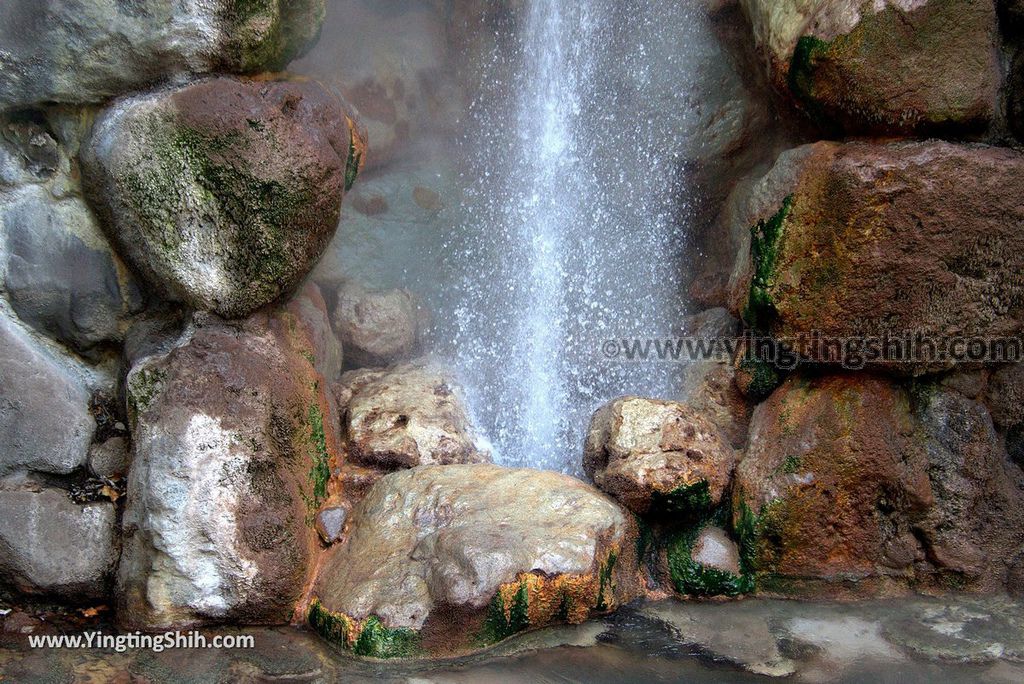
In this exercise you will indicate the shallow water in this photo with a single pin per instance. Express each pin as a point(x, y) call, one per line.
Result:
point(908, 640)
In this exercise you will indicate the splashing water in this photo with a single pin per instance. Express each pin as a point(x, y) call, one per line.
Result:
point(571, 234)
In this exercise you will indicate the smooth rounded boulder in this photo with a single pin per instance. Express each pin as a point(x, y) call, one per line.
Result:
point(223, 193)
point(451, 558)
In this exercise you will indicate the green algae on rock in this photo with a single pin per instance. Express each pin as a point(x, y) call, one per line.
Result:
point(222, 193)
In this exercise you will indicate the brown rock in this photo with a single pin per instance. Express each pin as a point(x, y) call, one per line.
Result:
point(853, 482)
point(223, 193)
point(233, 449)
point(888, 239)
point(644, 452)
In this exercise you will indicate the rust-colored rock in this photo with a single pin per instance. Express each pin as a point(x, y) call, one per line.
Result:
point(233, 448)
point(856, 483)
point(888, 239)
point(907, 66)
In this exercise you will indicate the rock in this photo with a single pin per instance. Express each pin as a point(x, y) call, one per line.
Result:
point(232, 451)
point(737, 633)
point(52, 547)
point(223, 193)
point(310, 311)
point(377, 328)
point(852, 484)
point(407, 416)
point(886, 240)
point(1015, 93)
point(73, 53)
point(45, 423)
point(396, 72)
point(908, 66)
point(714, 549)
point(710, 386)
point(658, 456)
point(330, 523)
point(968, 631)
point(110, 459)
point(59, 273)
point(433, 547)
point(1004, 396)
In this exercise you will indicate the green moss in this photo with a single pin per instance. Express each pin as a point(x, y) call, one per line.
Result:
point(605, 584)
point(791, 465)
point(764, 378)
point(766, 239)
point(498, 625)
point(377, 641)
point(689, 502)
point(694, 579)
point(352, 163)
point(760, 536)
point(802, 66)
point(333, 628)
point(320, 472)
point(374, 640)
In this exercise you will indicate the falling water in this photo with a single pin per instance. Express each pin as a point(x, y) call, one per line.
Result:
point(572, 233)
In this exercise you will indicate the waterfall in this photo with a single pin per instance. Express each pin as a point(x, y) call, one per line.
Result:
point(574, 222)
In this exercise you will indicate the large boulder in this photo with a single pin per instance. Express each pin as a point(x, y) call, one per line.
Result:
point(876, 240)
point(405, 416)
point(852, 483)
point(73, 52)
point(59, 272)
point(460, 556)
point(658, 456)
point(45, 424)
point(223, 193)
point(232, 452)
point(898, 65)
point(377, 327)
point(52, 547)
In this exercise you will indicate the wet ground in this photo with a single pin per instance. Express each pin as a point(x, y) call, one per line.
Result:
point(907, 640)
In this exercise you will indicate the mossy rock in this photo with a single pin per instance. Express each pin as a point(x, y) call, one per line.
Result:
point(223, 193)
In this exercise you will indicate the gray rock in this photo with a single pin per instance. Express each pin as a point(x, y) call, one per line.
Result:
point(391, 219)
point(714, 549)
point(330, 522)
point(377, 328)
point(232, 446)
point(45, 423)
point(448, 537)
point(407, 416)
point(75, 52)
point(52, 546)
point(223, 193)
point(58, 271)
point(111, 458)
